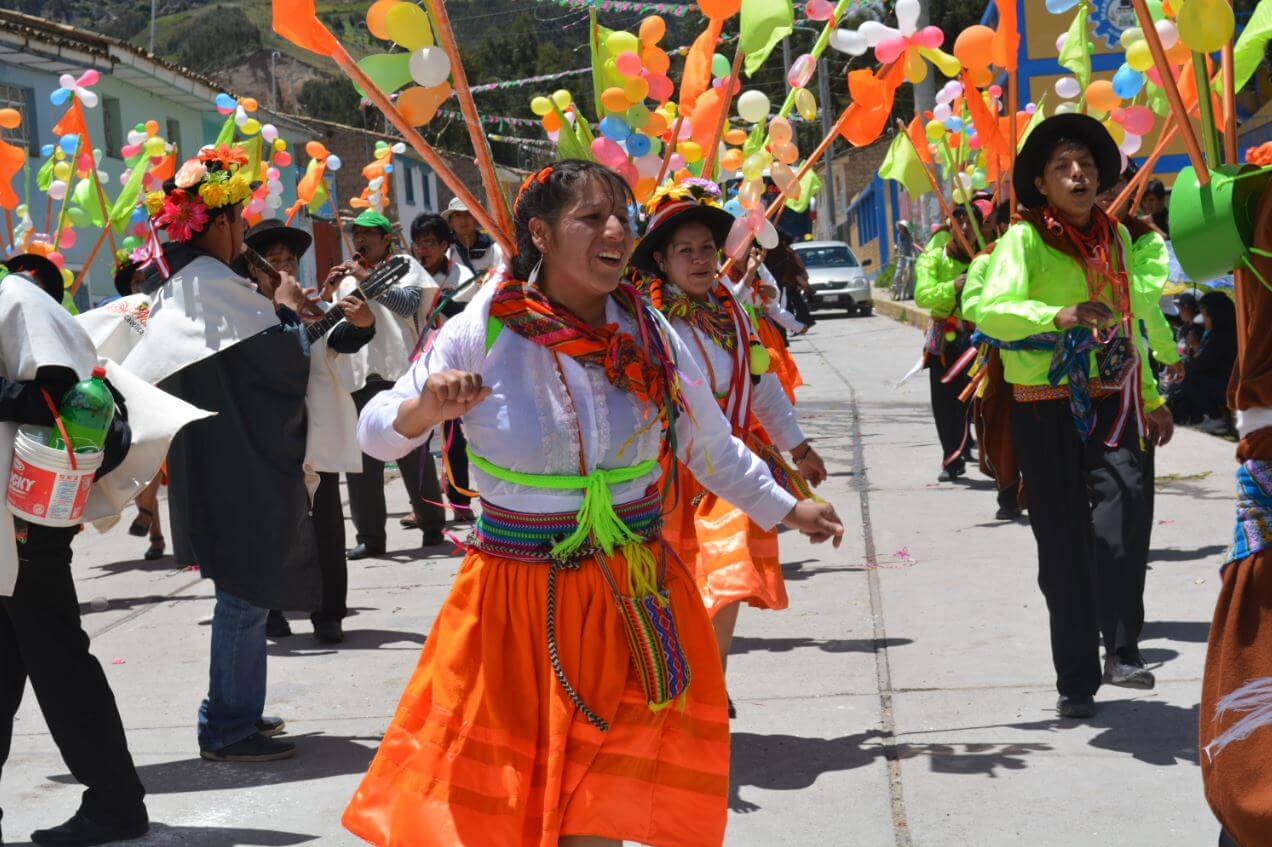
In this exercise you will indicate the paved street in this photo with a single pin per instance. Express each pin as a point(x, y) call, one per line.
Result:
point(906, 697)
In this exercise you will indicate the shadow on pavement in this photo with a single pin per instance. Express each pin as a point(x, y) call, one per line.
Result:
point(214, 836)
point(1150, 731)
point(744, 644)
point(318, 756)
point(1192, 632)
point(304, 644)
point(119, 604)
point(167, 563)
point(1194, 555)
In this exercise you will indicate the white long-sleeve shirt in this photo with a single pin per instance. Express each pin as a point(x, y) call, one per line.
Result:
point(768, 401)
point(773, 306)
point(531, 423)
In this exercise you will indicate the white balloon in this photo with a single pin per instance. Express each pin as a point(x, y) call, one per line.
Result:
point(57, 189)
point(375, 184)
point(942, 112)
point(753, 106)
point(1168, 32)
point(135, 137)
point(849, 41)
point(1060, 42)
point(876, 32)
point(399, 148)
point(1131, 144)
point(273, 201)
point(87, 98)
point(374, 199)
point(1066, 108)
point(430, 66)
point(275, 186)
point(66, 81)
point(269, 132)
point(767, 236)
point(124, 177)
point(334, 163)
point(648, 165)
point(908, 15)
point(1068, 87)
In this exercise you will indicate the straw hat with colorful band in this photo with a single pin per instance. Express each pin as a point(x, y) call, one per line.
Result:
point(1042, 139)
point(374, 220)
point(211, 181)
point(671, 207)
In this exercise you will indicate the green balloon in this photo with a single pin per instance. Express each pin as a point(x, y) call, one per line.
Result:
point(1155, 10)
point(389, 71)
point(720, 66)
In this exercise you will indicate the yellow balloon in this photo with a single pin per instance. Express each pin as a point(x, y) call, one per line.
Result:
point(934, 129)
point(1205, 25)
point(251, 126)
point(540, 106)
point(375, 17)
point(636, 88)
point(62, 170)
point(154, 146)
point(805, 104)
point(407, 24)
point(1139, 57)
point(1116, 130)
point(691, 150)
point(753, 167)
point(562, 98)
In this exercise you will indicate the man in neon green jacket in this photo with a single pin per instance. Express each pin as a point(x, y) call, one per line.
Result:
point(1060, 300)
point(939, 275)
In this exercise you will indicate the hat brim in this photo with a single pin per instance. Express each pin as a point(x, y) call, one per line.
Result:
point(296, 240)
point(717, 220)
point(1033, 157)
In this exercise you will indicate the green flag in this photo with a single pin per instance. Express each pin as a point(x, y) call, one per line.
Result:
point(1039, 115)
point(121, 211)
point(596, 43)
point(88, 199)
point(809, 186)
point(902, 164)
point(1076, 55)
point(568, 146)
point(764, 23)
point(44, 177)
point(1248, 52)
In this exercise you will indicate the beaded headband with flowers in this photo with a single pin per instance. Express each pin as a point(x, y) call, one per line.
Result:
point(672, 197)
point(212, 180)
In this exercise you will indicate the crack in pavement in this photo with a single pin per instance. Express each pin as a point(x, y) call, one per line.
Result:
point(883, 673)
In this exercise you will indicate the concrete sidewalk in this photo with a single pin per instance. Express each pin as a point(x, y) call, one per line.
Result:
point(906, 697)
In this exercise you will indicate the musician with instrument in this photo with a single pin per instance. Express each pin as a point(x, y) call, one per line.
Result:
point(237, 492)
point(401, 311)
point(331, 442)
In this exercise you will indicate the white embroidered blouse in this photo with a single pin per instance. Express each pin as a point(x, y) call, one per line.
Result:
point(533, 421)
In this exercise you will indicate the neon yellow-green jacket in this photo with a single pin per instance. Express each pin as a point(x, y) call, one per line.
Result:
point(1027, 283)
point(1150, 267)
point(934, 275)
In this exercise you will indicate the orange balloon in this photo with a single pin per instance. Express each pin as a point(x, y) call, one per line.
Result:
point(615, 100)
point(249, 104)
point(551, 122)
point(719, 8)
point(974, 47)
point(1101, 97)
point(655, 59)
point(656, 125)
point(377, 15)
point(731, 160)
point(735, 136)
point(10, 118)
point(315, 150)
point(980, 77)
point(1179, 54)
point(644, 188)
point(418, 104)
point(152, 127)
point(652, 30)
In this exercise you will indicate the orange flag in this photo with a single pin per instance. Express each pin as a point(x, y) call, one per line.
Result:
point(997, 151)
point(297, 21)
point(863, 121)
point(166, 169)
point(1006, 44)
point(72, 123)
point(918, 134)
point(696, 76)
point(11, 161)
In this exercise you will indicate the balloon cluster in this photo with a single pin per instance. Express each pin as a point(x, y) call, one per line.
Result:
point(378, 174)
point(242, 111)
point(905, 43)
point(423, 62)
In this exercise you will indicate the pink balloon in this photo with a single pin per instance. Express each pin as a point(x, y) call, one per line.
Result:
point(1138, 120)
point(628, 64)
point(139, 230)
point(660, 87)
point(282, 158)
point(739, 239)
point(129, 150)
point(819, 10)
point(677, 161)
point(67, 241)
point(890, 49)
point(56, 258)
point(929, 36)
point(686, 131)
point(629, 173)
point(89, 77)
point(608, 153)
point(86, 161)
point(801, 71)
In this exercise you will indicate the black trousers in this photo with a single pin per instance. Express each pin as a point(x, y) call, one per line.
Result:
point(948, 411)
point(334, 567)
point(41, 639)
point(1087, 511)
point(457, 455)
point(366, 490)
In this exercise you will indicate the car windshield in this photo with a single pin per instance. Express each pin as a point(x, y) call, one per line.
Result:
point(828, 257)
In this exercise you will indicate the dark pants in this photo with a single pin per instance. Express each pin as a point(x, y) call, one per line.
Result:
point(948, 411)
point(798, 305)
point(1009, 497)
point(366, 490)
point(456, 448)
point(329, 524)
point(1086, 508)
point(42, 639)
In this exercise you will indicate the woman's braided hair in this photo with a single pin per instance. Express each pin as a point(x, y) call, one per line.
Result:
point(546, 194)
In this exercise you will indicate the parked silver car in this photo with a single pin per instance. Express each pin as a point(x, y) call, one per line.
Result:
point(836, 277)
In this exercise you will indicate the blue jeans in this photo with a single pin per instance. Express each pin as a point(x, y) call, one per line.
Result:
point(236, 680)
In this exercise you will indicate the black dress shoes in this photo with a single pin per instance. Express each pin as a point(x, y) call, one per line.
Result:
point(365, 551)
point(81, 831)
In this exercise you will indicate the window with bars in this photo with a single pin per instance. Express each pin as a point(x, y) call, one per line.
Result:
point(27, 133)
point(113, 117)
point(408, 178)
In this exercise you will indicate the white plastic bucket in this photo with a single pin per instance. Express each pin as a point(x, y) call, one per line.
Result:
point(43, 487)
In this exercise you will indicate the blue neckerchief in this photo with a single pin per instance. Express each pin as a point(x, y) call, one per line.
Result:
point(1071, 358)
point(1253, 531)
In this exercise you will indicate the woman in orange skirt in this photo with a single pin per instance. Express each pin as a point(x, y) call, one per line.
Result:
point(733, 559)
point(569, 692)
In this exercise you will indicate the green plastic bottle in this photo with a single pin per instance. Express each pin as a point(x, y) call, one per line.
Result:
point(86, 411)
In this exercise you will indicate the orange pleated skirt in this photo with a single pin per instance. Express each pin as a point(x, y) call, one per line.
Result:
point(783, 362)
point(732, 558)
point(487, 750)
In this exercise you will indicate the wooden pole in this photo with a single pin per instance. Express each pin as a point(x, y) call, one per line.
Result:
point(342, 58)
point(92, 254)
point(101, 197)
point(1172, 91)
point(481, 147)
point(66, 198)
point(1229, 105)
point(946, 209)
point(733, 81)
point(671, 149)
point(1013, 104)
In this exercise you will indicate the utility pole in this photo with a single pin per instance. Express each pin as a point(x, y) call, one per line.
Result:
point(153, 4)
point(273, 78)
point(925, 100)
point(826, 212)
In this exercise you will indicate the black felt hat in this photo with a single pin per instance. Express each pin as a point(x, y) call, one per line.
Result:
point(40, 269)
point(1083, 129)
point(271, 231)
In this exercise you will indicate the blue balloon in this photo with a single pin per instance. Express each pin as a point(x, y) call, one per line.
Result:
point(225, 101)
point(615, 128)
point(734, 207)
point(388, 169)
point(68, 143)
point(1127, 82)
point(637, 144)
point(954, 123)
point(59, 96)
point(46, 150)
point(1056, 7)
point(138, 215)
